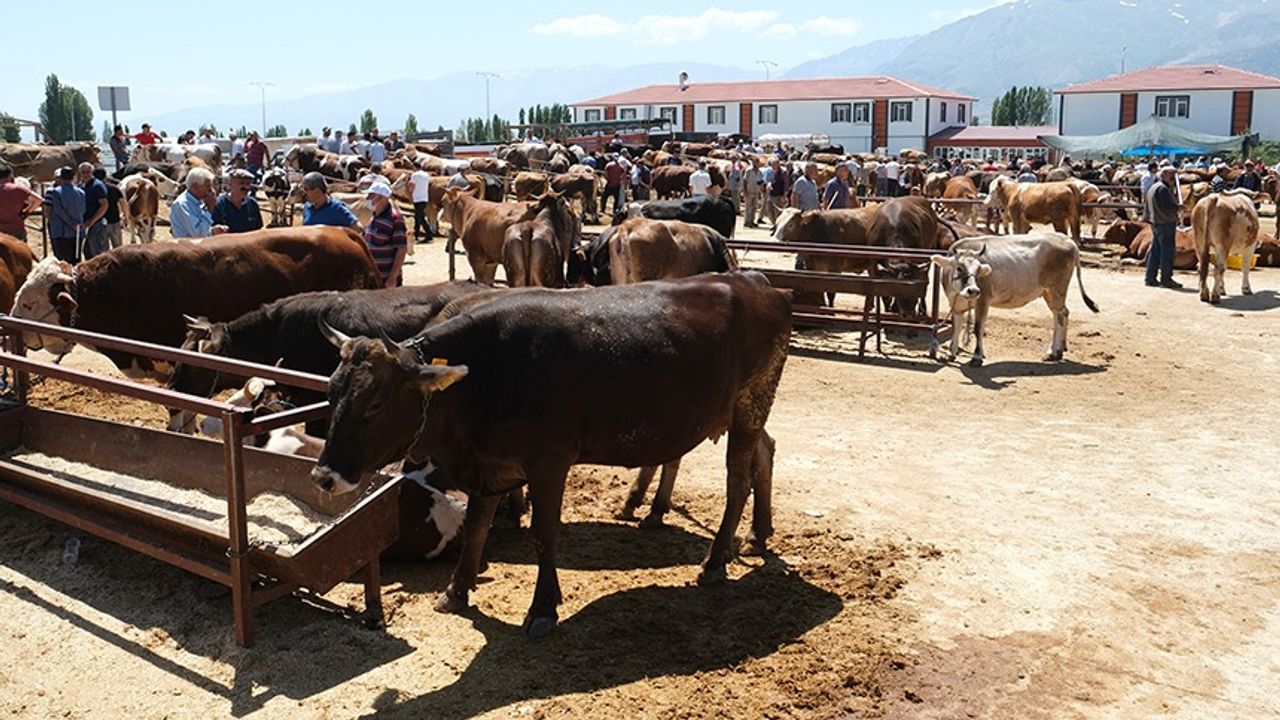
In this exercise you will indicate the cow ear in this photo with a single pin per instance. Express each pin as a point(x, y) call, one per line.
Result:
point(434, 378)
point(943, 261)
point(984, 270)
point(65, 302)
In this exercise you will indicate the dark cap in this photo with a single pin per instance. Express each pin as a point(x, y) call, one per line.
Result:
point(66, 173)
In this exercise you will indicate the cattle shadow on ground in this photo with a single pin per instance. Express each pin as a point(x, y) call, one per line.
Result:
point(605, 546)
point(1260, 301)
point(1000, 375)
point(904, 350)
point(166, 606)
point(631, 635)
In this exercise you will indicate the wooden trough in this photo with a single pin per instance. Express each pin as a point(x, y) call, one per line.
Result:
point(54, 463)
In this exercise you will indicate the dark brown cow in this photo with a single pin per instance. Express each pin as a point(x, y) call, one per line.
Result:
point(482, 226)
point(41, 162)
point(534, 250)
point(143, 291)
point(16, 261)
point(827, 227)
point(528, 386)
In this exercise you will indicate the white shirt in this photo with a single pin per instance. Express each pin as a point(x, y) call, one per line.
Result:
point(237, 149)
point(421, 180)
point(699, 181)
point(377, 152)
point(891, 169)
point(344, 148)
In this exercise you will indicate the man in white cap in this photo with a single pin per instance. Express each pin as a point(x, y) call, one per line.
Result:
point(386, 235)
point(237, 209)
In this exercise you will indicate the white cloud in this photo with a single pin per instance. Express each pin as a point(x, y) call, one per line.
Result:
point(676, 29)
point(823, 25)
point(780, 31)
point(594, 25)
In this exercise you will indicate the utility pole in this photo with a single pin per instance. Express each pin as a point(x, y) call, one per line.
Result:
point(1123, 51)
point(262, 85)
point(487, 77)
point(767, 64)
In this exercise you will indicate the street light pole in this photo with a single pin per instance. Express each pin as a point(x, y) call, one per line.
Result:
point(766, 64)
point(487, 76)
point(261, 85)
point(1123, 51)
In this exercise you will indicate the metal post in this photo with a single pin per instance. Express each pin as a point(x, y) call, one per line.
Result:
point(487, 76)
point(261, 85)
point(238, 530)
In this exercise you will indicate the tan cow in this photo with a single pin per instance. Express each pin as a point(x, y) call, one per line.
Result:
point(482, 226)
point(529, 183)
point(139, 206)
point(1056, 203)
point(641, 249)
point(960, 188)
point(534, 250)
point(935, 184)
point(1226, 224)
point(1089, 193)
point(16, 261)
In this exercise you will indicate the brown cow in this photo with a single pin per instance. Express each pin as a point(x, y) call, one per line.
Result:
point(41, 162)
point(309, 158)
point(579, 183)
point(961, 188)
point(1055, 203)
point(143, 291)
point(1089, 193)
point(827, 227)
point(139, 206)
point(641, 249)
point(1226, 224)
point(435, 195)
point(528, 184)
point(16, 261)
point(534, 250)
point(482, 225)
point(1184, 256)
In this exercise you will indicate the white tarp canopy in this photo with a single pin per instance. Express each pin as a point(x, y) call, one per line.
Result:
point(1153, 136)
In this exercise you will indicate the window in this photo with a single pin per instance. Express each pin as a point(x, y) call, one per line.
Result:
point(715, 115)
point(841, 112)
point(669, 114)
point(900, 112)
point(627, 114)
point(768, 115)
point(862, 112)
point(591, 116)
point(1173, 106)
point(960, 109)
point(943, 114)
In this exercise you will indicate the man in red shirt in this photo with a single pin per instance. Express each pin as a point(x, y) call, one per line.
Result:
point(613, 176)
point(255, 154)
point(146, 137)
point(15, 202)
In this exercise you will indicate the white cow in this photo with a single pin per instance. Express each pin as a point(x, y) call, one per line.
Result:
point(1010, 271)
point(291, 440)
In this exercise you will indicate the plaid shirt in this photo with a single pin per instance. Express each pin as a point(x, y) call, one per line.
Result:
point(386, 237)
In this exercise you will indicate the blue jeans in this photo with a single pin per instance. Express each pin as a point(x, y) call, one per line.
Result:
point(1160, 257)
point(96, 242)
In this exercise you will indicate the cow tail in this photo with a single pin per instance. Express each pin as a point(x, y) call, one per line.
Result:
point(955, 236)
point(722, 252)
point(1088, 301)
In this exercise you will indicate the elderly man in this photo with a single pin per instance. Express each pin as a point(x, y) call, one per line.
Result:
point(804, 192)
point(1162, 201)
point(237, 209)
point(1249, 179)
point(836, 194)
point(779, 189)
point(752, 182)
point(386, 235)
point(96, 205)
point(322, 209)
point(189, 215)
point(66, 216)
point(16, 201)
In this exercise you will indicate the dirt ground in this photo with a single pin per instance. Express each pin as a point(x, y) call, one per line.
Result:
point(1088, 539)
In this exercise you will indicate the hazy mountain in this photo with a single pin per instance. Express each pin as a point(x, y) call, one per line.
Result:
point(448, 99)
point(859, 60)
point(1058, 42)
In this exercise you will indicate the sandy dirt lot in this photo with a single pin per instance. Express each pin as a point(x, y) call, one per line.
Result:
point(1095, 538)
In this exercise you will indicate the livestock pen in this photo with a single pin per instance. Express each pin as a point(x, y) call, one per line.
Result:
point(241, 517)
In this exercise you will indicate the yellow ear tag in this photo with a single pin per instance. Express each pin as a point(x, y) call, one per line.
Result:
point(439, 361)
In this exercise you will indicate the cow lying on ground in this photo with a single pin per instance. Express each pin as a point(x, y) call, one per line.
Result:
point(1226, 224)
point(526, 386)
point(142, 291)
point(1138, 236)
point(711, 210)
point(1009, 272)
point(534, 250)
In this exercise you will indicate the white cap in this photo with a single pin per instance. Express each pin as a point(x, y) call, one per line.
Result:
point(379, 188)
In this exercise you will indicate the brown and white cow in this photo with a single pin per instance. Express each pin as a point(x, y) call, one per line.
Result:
point(1010, 271)
point(1056, 203)
point(139, 205)
point(1225, 224)
point(16, 261)
point(436, 190)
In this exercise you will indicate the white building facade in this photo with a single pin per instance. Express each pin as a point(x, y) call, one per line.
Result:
point(861, 114)
point(1212, 99)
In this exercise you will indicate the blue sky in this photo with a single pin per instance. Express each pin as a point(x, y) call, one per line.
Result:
point(306, 48)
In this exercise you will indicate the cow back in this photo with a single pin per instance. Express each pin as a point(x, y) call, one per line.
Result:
point(16, 261)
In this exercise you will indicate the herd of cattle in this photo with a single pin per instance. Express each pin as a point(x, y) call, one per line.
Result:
point(496, 390)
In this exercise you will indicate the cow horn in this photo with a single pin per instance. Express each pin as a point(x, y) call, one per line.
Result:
point(983, 251)
point(64, 278)
point(335, 337)
point(390, 344)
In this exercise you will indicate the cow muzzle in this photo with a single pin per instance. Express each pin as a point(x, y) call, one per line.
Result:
point(971, 291)
point(330, 481)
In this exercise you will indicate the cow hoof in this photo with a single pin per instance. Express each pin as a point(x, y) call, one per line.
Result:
point(712, 576)
point(976, 362)
point(1052, 357)
point(754, 547)
point(626, 514)
point(652, 522)
point(539, 627)
point(1246, 291)
point(1215, 299)
point(448, 603)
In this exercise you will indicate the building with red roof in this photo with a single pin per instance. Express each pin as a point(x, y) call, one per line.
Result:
point(860, 113)
point(1213, 99)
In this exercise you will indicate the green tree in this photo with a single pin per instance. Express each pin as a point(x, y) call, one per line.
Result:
point(521, 116)
point(1023, 106)
point(305, 132)
point(277, 131)
point(368, 121)
point(351, 130)
point(9, 129)
point(410, 126)
point(65, 113)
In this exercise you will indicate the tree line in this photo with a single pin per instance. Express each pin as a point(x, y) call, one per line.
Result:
point(1024, 106)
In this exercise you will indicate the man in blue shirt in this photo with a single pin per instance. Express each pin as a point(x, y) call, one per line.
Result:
point(66, 216)
point(95, 210)
point(189, 216)
point(320, 209)
point(237, 209)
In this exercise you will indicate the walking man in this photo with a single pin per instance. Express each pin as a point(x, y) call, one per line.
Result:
point(420, 193)
point(836, 195)
point(1163, 204)
point(779, 189)
point(752, 182)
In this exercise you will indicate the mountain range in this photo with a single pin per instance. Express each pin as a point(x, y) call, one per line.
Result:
point(1023, 42)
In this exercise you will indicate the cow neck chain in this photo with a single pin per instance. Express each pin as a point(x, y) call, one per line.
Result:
point(422, 426)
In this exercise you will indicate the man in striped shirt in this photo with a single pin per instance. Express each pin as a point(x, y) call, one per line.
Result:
point(386, 236)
